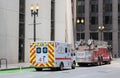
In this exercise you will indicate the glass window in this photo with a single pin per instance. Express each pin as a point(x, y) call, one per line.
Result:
point(119, 7)
point(107, 20)
point(94, 20)
point(94, 8)
point(45, 50)
point(52, 20)
point(94, 35)
point(65, 50)
point(81, 9)
point(78, 36)
point(107, 8)
point(38, 50)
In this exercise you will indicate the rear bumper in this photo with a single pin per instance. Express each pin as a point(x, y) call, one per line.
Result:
point(82, 60)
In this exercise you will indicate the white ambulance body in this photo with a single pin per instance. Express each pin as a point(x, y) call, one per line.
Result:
point(51, 55)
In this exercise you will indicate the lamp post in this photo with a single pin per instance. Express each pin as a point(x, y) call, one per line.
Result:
point(101, 28)
point(34, 13)
point(80, 21)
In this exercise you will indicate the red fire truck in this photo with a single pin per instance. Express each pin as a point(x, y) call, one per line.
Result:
point(93, 52)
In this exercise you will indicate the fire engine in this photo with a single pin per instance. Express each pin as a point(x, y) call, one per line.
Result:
point(93, 52)
point(51, 55)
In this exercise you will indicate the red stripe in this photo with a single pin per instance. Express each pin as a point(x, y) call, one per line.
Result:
point(42, 65)
point(63, 58)
point(47, 65)
point(36, 65)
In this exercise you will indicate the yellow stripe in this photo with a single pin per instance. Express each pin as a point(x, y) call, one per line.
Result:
point(39, 65)
point(49, 64)
point(32, 57)
point(51, 46)
point(51, 57)
point(44, 65)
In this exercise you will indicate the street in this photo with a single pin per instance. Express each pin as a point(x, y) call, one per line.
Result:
point(104, 71)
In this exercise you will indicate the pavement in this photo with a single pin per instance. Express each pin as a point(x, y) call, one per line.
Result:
point(14, 66)
point(26, 65)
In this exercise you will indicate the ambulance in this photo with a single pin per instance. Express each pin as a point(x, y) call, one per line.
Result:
point(93, 52)
point(51, 54)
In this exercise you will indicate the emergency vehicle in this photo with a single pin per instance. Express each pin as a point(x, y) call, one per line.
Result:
point(93, 52)
point(51, 55)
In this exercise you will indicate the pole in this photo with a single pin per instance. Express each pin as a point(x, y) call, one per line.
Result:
point(34, 27)
point(101, 35)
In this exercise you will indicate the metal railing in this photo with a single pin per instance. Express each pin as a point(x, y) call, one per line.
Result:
point(3, 59)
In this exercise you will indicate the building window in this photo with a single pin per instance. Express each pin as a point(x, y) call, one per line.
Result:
point(52, 20)
point(108, 37)
point(94, 8)
point(94, 35)
point(80, 36)
point(119, 43)
point(107, 7)
point(107, 20)
point(21, 54)
point(118, 23)
point(119, 7)
point(94, 20)
point(81, 9)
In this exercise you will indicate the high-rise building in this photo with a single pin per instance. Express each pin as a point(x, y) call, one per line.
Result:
point(96, 13)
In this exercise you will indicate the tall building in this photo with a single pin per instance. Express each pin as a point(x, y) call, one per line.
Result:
point(97, 13)
point(9, 30)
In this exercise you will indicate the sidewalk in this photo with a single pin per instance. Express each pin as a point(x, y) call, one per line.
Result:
point(14, 66)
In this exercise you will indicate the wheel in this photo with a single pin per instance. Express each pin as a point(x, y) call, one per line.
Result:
point(38, 69)
point(61, 66)
point(73, 65)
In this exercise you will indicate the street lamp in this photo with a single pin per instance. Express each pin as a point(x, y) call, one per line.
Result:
point(34, 13)
point(80, 21)
point(101, 28)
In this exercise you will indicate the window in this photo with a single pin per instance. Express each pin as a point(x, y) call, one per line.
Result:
point(94, 20)
point(94, 8)
point(119, 7)
point(94, 35)
point(108, 37)
point(52, 20)
point(107, 20)
point(107, 8)
point(81, 9)
point(45, 50)
point(65, 50)
point(38, 50)
point(78, 36)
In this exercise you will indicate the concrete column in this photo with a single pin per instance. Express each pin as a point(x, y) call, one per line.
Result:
point(115, 28)
point(87, 35)
point(100, 18)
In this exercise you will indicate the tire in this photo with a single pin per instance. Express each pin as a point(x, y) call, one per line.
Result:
point(38, 69)
point(61, 67)
point(73, 65)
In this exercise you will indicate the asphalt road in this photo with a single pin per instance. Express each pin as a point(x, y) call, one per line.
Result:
point(104, 71)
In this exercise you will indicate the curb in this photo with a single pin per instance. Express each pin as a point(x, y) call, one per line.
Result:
point(14, 68)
